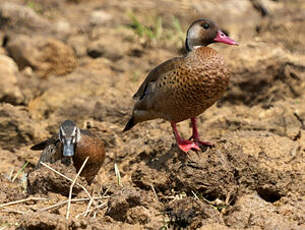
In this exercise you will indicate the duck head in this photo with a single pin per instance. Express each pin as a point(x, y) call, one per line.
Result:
point(203, 32)
point(69, 136)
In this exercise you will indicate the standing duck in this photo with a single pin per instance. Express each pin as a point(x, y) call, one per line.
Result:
point(77, 144)
point(184, 87)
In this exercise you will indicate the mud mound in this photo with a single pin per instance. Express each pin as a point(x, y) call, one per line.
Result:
point(191, 213)
point(43, 180)
point(273, 74)
point(83, 61)
point(12, 190)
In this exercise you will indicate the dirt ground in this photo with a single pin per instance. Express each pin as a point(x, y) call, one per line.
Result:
point(83, 60)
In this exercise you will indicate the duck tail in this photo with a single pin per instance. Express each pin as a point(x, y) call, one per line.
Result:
point(130, 124)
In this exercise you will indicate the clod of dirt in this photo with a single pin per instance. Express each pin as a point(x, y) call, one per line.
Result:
point(283, 24)
point(46, 56)
point(102, 45)
point(144, 177)
point(21, 17)
point(270, 169)
point(280, 75)
point(43, 220)
point(121, 201)
point(63, 92)
point(11, 191)
point(191, 213)
point(43, 180)
point(219, 227)
point(9, 90)
point(210, 173)
point(252, 179)
point(16, 127)
point(138, 214)
point(99, 17)
point(251, 210)
point(49, 221)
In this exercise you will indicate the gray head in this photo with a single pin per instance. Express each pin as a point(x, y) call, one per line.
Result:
point(203, 32)
point(69, 135)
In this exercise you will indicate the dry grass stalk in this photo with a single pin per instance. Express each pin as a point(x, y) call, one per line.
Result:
point(94, 209)
point(61, 203)
point(22, 201)
point(72, 185)
point(69, 179)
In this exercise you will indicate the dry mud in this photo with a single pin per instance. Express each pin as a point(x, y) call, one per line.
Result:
point(83, 60)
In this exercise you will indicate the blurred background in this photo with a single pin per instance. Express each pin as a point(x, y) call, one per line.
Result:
point(84, 59)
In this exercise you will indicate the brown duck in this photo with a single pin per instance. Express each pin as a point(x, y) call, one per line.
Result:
point(184, 87)
point(74, 143)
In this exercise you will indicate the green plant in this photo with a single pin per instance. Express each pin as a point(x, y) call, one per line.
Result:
point(20, 171)
point(178, 28)
point(135, 76)
point(154, 32)
point(174, 34)
point(35, 6)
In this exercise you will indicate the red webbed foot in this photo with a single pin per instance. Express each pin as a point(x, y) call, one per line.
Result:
point(186, 145)
point(202, 143)
point(205, 143)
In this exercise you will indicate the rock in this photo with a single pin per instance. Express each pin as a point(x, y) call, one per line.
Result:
point(9, 90)
point(21, 17)
point(46, 56)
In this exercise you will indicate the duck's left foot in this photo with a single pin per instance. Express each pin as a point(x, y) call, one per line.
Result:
point(202, 143)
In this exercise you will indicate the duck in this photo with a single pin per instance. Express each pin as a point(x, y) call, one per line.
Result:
point(72, 143)
point(184, 87)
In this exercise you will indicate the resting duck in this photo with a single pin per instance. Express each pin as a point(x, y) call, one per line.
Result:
point(77, 144)
point(184, 87)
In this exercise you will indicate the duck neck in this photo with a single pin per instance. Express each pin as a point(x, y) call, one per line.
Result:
point(191, 45)
point(187, 46)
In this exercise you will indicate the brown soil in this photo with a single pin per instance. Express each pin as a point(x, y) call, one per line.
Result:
point(83, 60)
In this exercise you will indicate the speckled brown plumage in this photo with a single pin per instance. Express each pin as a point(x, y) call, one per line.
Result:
point(184, 87)
point(87, 146)
point(188, 89)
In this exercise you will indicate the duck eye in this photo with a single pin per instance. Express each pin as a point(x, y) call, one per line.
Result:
point(205, 26)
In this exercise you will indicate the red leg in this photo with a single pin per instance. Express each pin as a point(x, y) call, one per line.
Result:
point(195, 135)
point(184, 145)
